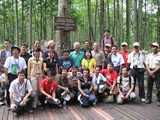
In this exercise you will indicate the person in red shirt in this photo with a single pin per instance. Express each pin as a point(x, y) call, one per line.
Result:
point(47, 90)
point(125, 52)
point(111, 76)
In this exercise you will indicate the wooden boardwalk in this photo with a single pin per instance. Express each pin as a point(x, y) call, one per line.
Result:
point(109, 111)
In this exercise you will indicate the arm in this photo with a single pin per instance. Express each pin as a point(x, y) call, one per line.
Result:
point(129, 92)
point(120, 69)
point(45, 67)
point(102, 65)
point(6, 75)
point(56, 68)
point(80, 90)
point(70, 81)
point(13, 105)
point(59, 86)
point(54, 94)
point(44, 93)
point(112, 87)
point(91, 87)
point(120, 92)
point(29, 68)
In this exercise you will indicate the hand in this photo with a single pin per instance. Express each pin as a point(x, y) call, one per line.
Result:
point(13, 107)
point(87, 96)
point(143, 52)
point(126, 97)
point(119, 73)
point(49, 97)
point(109, 54)
point(66, 90)
point(25, 100)
point(153, 76)
point(7, 81)
point(122, 96)
point(46, 69)
point(151, 73)
point(111, 92)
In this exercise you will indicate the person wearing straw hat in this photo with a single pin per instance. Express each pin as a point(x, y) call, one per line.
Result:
point(136, 60)
point(153, 68)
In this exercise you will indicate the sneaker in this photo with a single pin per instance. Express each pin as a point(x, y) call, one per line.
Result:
point(158, 103)
point(148, 101)
point(60, 105)
point(143, 100)
point(95, 102)
point(108, 99)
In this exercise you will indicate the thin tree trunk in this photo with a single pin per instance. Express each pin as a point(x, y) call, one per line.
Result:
point(45, 22)
point(121, 24)
point(114, 19)
point(96, 7)
point(135, 22)
point(108, 14)
point(101, 18)
point(30, 25)
point(4, 20)
point(41, 21)
point(13, 22)
point(145, 25)
point(17, 32)
point(118, 24)
point(22, 29)
point(158, 22)
point(127, 21)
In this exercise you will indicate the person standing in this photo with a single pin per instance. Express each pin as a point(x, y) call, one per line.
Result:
point(136, 60)
point(98, 55)
point(86, 46)
point(35, 73)
point(107, 54)
point(153, 68)
point(12, 66)
point(107, 40)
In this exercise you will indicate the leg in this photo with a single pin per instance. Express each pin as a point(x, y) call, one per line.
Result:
point(119, 99)
point(132, 96)
point(157, 81)
point(95, 92)
point(30, 102)
point(91, 98)
point(150, 81)
point(133, 73)
point(58, 93)
point(141, 85)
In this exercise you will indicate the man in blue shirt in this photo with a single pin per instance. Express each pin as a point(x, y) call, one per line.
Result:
point(77, 55)
point(117, 60)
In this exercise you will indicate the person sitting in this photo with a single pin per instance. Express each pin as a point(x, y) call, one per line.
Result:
point(65, 87)
point(89, 62)
point(125, 85)
point(85, 86)
point(65, 61)
point(48, 90)
point(21, 94)
point(111, 77)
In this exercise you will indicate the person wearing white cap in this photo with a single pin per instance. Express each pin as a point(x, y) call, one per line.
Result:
point(136, 60)
point(107, 40)
point(107, 54)
point(125, 52)
point(153, 68)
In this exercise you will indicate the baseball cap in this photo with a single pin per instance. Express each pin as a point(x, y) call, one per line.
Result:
point(155, 44)
point(136, 44)
point(124, 44)
point(107, 45)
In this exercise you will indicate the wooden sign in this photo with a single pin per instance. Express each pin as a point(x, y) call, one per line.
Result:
point(65, 24)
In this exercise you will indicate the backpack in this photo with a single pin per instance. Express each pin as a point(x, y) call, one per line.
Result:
point(129, 80)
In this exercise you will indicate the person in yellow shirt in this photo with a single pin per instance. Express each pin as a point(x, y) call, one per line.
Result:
point(89, 62)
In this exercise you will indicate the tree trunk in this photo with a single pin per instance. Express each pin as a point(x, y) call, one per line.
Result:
point(140, 23)
point(45, 22)
point(4, 20)
point(108, 14)
point(118, 24)
point(114, 19)
point(101, 19)
point(63, 37)
point(145, 25)
point(121, 24)
point(22, 29)
point(17, 32)
point(30, 25)
point(158, 22)
point(127, 22)
point(41, 21)
point(13, 22)
point(135, 22)
point(96, 7)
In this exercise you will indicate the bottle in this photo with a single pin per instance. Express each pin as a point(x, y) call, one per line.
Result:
point(64, 104)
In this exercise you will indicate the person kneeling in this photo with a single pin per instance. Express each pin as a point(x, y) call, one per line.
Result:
point(21, 94)
point(125, 84)
point(48, 91)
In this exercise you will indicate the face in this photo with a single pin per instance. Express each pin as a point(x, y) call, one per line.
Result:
point(21, 76)
point(85, 72)
point(52, 46)
point(7, 44)
point(23, 48)
point(74, 71)
point(50, 54)
point(77, 47)
point(50, 77)
point(110, 67)
point(114, 50)
point(15, 52)
point(86, 44)
point(66, 55)
point(36, 54)
point(106, 34)
point(154, 49)
point(37, 44)
point(124, 48)
point(97, 70)
point(124, 72)
point(107, 49)
point(88, 54)
point(136, 48)
point(95, 46)
point(64, 73)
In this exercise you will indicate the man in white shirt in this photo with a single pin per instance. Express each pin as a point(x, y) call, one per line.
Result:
point(21, 93)
point(12, 66)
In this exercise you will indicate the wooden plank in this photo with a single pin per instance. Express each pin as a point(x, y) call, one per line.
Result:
point(26, 116)
point(74, 113)
point(10, 115)
point(55, 115)
point(1, 112)
point(30, 116)
point(51, 117)
point(70, 114)
point(5, 113)
point(59, 113)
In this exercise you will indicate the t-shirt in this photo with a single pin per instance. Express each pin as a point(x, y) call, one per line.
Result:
point(55, 54)
point(18, 90)
point(125, 56)
point(14, 65)
point(97, 79)
point(77, 58)
point(48, 87)
point(125, 83)
point(66, 63)
point(89, 64)
point(51, 65)
point(110, 77)
point(85, 85)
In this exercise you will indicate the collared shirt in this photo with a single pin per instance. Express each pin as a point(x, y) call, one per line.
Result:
point(77, 58)
point(107, 41)
point(63, 81)
point(15, 64)
point(89, 64)
point(97, 79)
point(98, 56)
point(19, 91)
point(32, 65)
point(153, 60)
point(136, 59)
point(26, 57)
point(75, 78)
point(117, 59)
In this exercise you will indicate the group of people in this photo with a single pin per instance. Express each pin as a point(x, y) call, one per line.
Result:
point(86, 75)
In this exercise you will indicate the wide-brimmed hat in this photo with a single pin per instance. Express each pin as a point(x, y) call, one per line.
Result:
point(65, 96)
point(15, 47)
